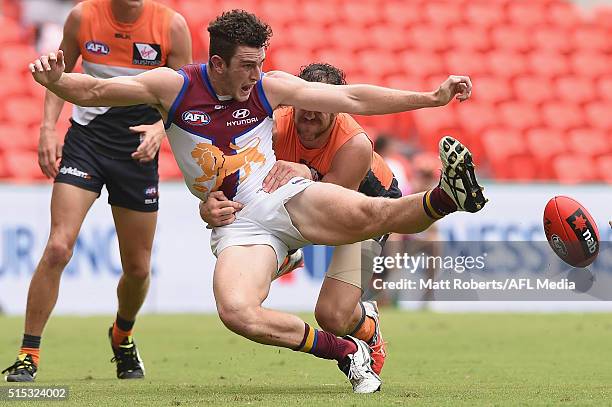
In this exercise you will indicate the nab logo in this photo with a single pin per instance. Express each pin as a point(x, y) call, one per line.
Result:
point(196, 118)
point(241, 113)
point(97, 48)
point(584, 231)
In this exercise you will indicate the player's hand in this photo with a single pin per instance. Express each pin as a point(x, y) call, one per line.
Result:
point(49, 152)
point(217, 210)
point(48, 68)
point(282, 172)
point(151, 136)
point(459, 87)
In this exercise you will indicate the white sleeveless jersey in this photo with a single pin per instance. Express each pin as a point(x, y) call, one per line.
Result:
point(220, 145)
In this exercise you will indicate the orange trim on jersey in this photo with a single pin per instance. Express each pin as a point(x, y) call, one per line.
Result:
point(104, 40)
point(382, 170)
point(287, 145)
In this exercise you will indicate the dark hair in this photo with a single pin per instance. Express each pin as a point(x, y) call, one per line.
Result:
point(234, 28)
point(325, 73)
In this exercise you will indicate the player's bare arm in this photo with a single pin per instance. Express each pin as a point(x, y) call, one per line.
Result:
point(180, 53)
point(285, 89)
point(49, 150)
point(179, 56)
point(351, 163)
point(349, 166)
point(158, 87)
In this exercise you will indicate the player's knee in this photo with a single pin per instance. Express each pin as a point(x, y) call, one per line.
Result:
point(57, 253)
point(137, 270)
point(240, 319)
point(332, 319)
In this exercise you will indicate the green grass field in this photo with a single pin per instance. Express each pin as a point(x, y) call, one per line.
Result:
point(434, 359)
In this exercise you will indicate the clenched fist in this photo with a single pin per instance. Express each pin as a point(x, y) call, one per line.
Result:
point(455, 86)
point(48, 68)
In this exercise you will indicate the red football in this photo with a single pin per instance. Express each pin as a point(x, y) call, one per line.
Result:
point(570, 231)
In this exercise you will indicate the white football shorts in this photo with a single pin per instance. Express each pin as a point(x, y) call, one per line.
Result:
point(265, 221)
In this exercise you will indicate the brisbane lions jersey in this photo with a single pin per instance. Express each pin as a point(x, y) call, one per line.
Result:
point(110, 48)
point(220, 144)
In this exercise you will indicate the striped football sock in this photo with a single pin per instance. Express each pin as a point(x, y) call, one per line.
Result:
point(325, 345)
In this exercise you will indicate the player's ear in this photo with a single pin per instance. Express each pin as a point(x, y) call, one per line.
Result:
point(217, 64)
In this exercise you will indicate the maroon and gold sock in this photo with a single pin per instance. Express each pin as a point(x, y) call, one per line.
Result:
point(325, 345)
point(438, 204)
point(122, 328)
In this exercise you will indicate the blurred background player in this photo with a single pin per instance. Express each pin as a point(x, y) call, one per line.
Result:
point(333, 148)
point(116, 147)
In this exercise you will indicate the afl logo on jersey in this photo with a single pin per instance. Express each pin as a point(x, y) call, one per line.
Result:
point(196, 118)
point(97, 48)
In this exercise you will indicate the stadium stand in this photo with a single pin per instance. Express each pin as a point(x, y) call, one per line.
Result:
point(562, 116)
point(544, 157)
point(574, 168)
point(541, 71)
point(604, 166)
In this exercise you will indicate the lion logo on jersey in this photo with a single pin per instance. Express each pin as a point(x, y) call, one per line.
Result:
point(217, 165)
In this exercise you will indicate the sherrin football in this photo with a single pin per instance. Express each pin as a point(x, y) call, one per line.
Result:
point(571, 231)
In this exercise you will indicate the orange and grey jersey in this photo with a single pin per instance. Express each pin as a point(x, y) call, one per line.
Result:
point(110, 48)
point(379, 181)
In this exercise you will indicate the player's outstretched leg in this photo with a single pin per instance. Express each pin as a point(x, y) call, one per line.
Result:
point(325, 213)
point(241, 286)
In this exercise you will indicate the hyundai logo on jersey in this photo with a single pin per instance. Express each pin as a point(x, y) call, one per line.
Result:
point(241, 113)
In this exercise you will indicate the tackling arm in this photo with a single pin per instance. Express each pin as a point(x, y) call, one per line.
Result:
point(351, 163)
